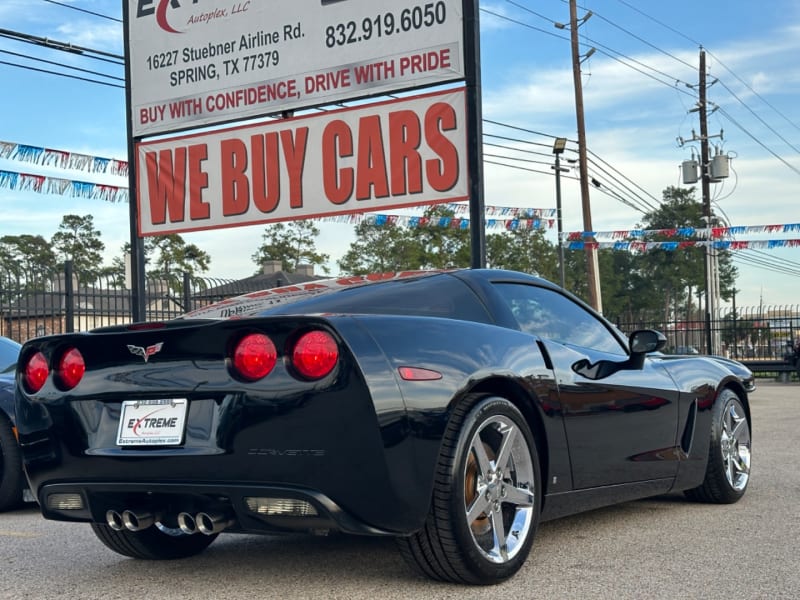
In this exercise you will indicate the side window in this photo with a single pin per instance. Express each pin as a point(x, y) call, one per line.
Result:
point(439, 295)
point(550, 315)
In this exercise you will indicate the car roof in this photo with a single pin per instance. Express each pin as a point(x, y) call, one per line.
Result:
point(257, 302)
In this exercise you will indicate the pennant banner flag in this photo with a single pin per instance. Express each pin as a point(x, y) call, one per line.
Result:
point(62, 187)
point(412, 222)
point(672, 246)
point(48, 157)
point(706, 233)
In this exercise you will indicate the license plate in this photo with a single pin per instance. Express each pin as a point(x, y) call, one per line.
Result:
point(152, 422)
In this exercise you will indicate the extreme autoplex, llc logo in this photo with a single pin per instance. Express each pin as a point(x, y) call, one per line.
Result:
point(177, 16)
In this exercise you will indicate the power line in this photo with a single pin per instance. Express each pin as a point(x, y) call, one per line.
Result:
point(762, 121)
point(523, 24)
point(52, 62)
point(644, 41)
point(610, 185)
point(83, 10)
point(757, 141)
point(765, 264)
point(62, 46)
point(752, 91)
point(665, 26)
point(29, 68)
point(634, 184)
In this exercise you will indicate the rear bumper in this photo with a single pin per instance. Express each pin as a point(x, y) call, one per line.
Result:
point(239, 504)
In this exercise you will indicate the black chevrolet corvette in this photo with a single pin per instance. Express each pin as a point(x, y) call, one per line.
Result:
point(452, 410)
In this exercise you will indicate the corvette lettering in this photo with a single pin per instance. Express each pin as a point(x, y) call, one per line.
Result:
point(278, 452)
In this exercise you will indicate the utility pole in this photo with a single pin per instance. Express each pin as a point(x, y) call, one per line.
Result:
point(558, 149)
point(595, 298)
point(712, 170)
point(705, 179)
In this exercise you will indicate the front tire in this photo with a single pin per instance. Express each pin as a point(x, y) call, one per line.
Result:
point(153, 543)
point(728, 468)
point(486, 498)
point(12, 479)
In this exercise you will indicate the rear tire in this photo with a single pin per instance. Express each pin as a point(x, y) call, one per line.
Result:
point(486, 497)
point(728, 468)
point(12, 479)
point(152, 543)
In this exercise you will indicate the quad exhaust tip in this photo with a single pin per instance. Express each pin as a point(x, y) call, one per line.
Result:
point(205, 523)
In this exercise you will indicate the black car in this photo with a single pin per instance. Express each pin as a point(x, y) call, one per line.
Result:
point(451, 410)
point(12, 479)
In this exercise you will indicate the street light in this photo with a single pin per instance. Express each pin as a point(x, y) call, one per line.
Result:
point(558, 149)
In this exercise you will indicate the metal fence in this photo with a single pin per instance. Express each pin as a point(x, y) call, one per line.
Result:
point(32, 305)
point(746, 333)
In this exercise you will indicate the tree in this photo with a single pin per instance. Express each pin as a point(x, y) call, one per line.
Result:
point(115, 273)
point(684, 267)
point(443, 244)
point(175, 256)
point(524, 250)
point(291, 243)
point(436, 241)
point(380, 249)
point(30, 256)
point(77, 240)
point(659, 279)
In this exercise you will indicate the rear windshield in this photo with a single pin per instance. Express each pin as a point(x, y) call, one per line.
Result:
point(439, 295)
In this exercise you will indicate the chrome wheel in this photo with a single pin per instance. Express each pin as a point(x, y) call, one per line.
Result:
point(486, 501)
point(735, 445)
point(729, 452)
point(499, 488)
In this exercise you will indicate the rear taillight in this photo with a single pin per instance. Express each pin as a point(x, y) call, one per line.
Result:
point(71, 368)
point(315, 354)
point(36, 372)
point(254, 357)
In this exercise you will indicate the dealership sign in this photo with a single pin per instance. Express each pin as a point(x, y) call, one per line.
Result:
point(200, 62)
point(405, 152)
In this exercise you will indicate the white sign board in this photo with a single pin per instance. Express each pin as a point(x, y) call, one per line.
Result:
point(199, 62)
point(405, 152)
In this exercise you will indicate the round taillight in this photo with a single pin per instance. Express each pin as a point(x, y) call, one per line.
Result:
point(36, 372)
point(71, 368)
point(254, 356)
point(315, 354)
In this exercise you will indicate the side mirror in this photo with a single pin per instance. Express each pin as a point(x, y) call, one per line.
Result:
point(642, 342)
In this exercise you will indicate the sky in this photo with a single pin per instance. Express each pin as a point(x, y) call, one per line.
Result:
point(639, 92)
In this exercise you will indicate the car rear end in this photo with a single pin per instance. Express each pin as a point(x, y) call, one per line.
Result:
point(254, 425)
